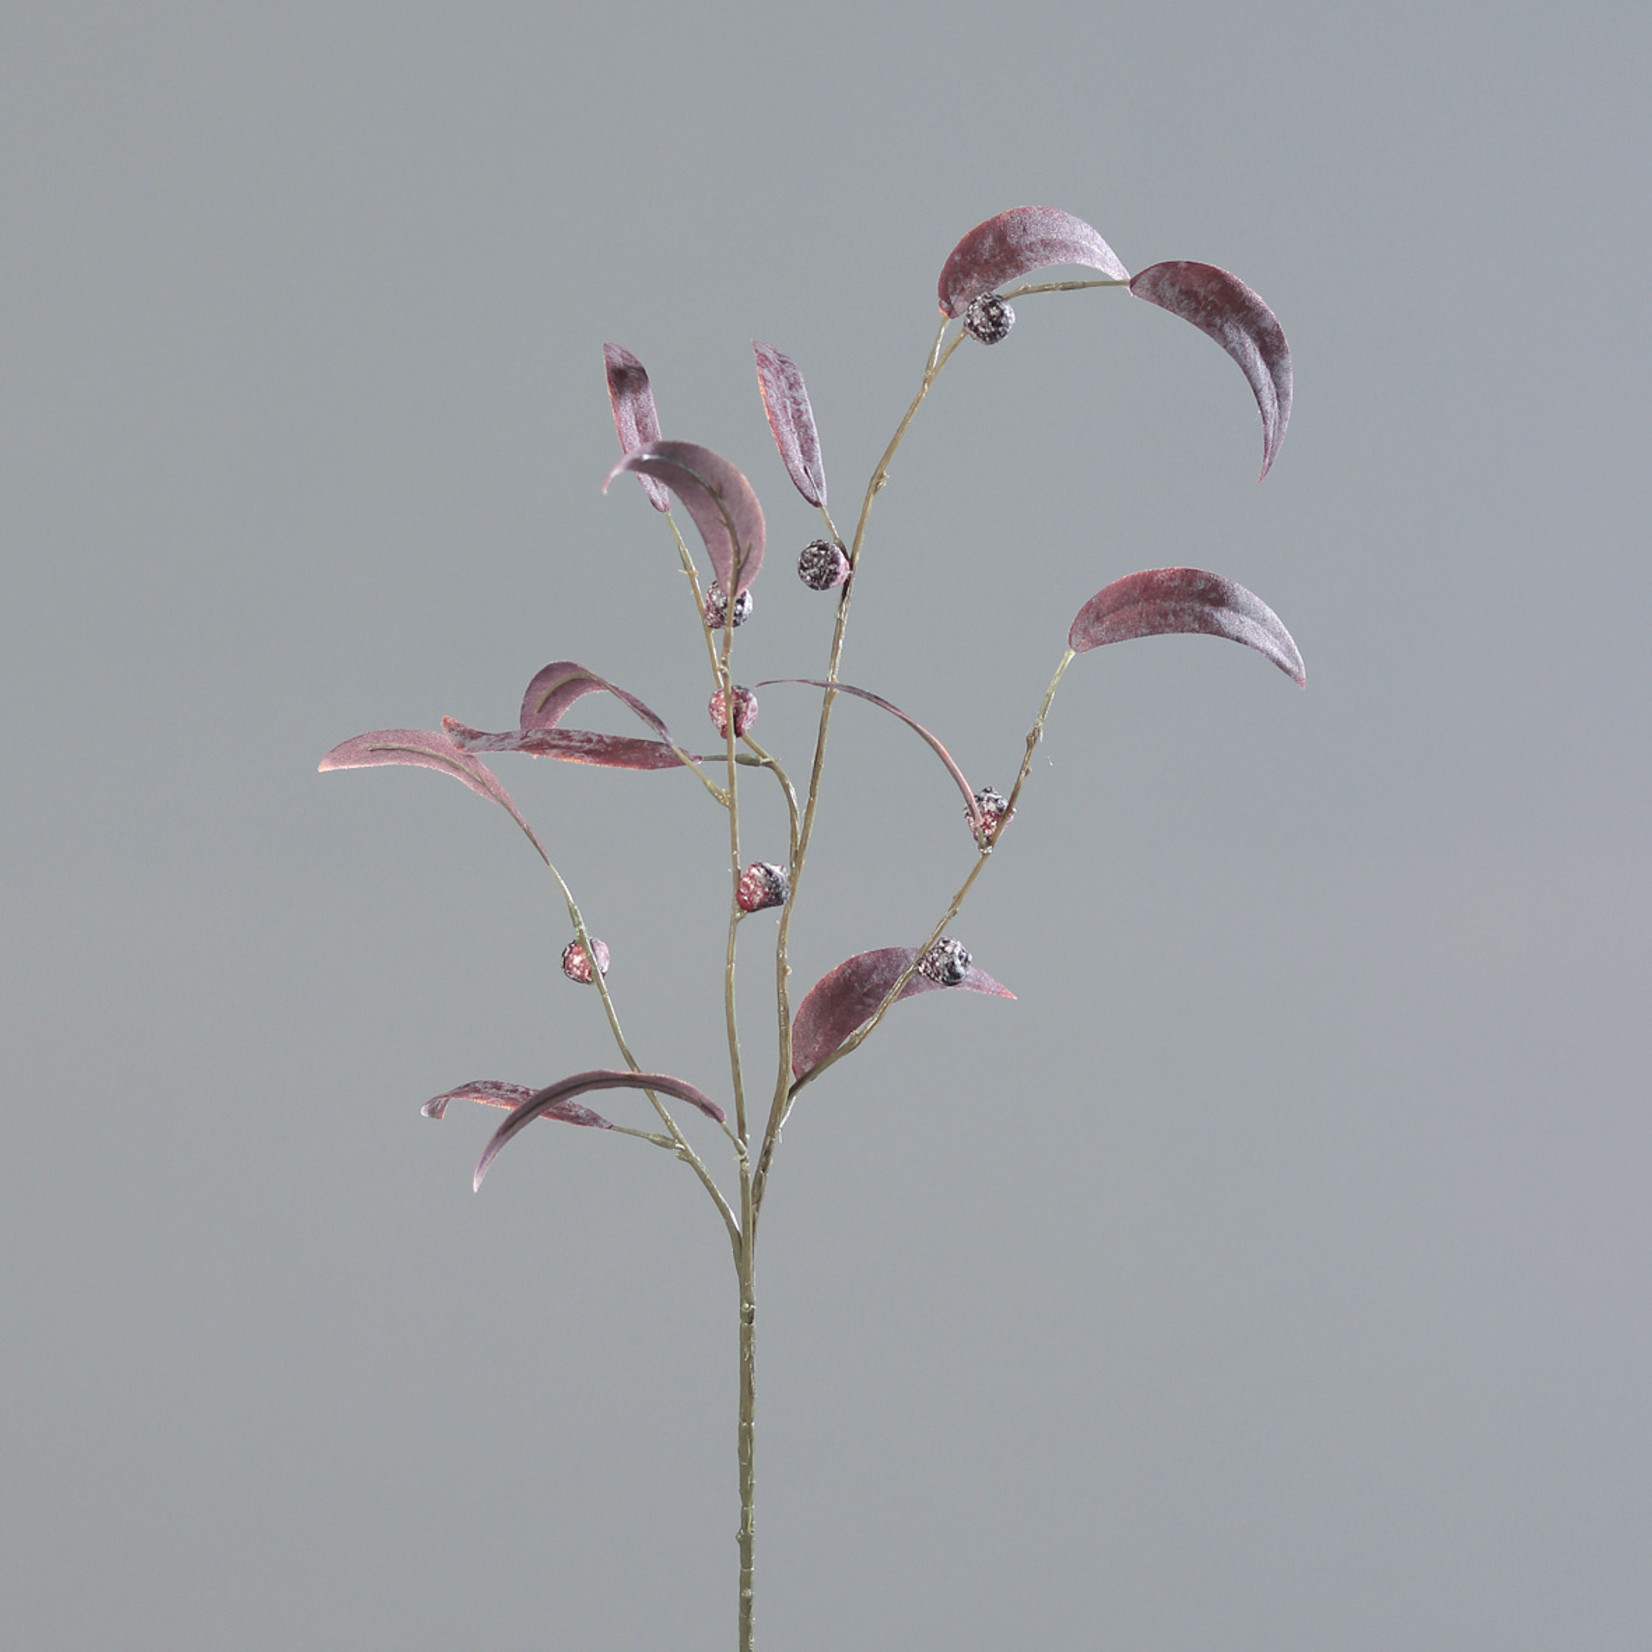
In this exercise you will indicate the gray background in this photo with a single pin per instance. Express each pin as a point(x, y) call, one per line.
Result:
point(1272, 1273)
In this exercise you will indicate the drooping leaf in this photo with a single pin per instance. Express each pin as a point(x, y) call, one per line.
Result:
point(493, 1092)
point(634, 416)
point(1222, 305)
point(840, 1001)
point(556, 1095)
point(425, 749)
point(791, 420)
point(911, 722)
point(1160, 600)
point(717, 496)
point(571, 745)
point(1018, 241)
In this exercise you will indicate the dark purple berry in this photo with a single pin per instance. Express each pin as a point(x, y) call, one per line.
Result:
point(822, 565)
point(577, 967)
point(745, 711)
point(717, 607)
point(989, 319)
point(946, 963)
point(990, 805)
point(762, 884)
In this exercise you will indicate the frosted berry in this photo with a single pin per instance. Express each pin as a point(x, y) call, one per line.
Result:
point(745, 711)
point(577, 967)
point(822, 565)
point(717, 607)
point(946, 963)
point(762, 884)
point(990, 805)
point(989, 319)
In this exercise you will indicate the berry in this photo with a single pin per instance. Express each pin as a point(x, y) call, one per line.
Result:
point(989, 319)
point(946, 963)
point(577, 967)
point(762, 884)
point(717, 607)
point(745, 711)
point(822, 565)
point(990, 805)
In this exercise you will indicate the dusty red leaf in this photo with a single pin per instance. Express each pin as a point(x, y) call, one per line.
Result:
point(557, 1095)
point(1222, 305)
point(1015, 242)
point(717, 496)
point(425, 749)
point(911, 722)
point(556, 686)
point(1160, 600)
point(840, 1001)
point(634, 416)
point(791, 420)
point(571, 745)
point(494, 1092)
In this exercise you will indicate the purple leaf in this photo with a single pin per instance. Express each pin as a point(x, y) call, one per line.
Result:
point(1160, 600)
point(1223, 306)
point(425, 749)
point(494, 1093)
point(1023, 239)
point(557, 1095)
point(912, 723)
point(571, 745)
point(791, 420)
point(634, 416)
point(717, 496)
point(556, 686)
point(839, 1002)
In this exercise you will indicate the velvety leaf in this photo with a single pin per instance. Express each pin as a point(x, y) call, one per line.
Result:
point(1160, 600)
point(634, 416)
point(425, 749)
point(1224, 307)
point(717, 496)
point(494, 1093)
point(556, 686)
point(557, 1095)
point(571, 745)
point(840, 1001)
point(1015, 242)
point(791, 420)
point(911, 722)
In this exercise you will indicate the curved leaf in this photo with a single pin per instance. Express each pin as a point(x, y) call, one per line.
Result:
point(555, 687)
point(571, 745)
point(840, 1001)
point(557, 1095)
point(1160, 600)
point(911, 722)
point(426, 749)
point(1008, 246)
point(791, 421)
point(1222, 305)
point(634, 416)
point(493, 1092)
point(717, 496)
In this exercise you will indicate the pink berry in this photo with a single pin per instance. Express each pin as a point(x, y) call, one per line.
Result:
point(990, 805)
point(745, 711)
point(762, 884)
point(822, 565)
point(577, 967)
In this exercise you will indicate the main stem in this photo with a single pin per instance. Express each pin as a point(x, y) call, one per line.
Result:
point(747, 1437)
